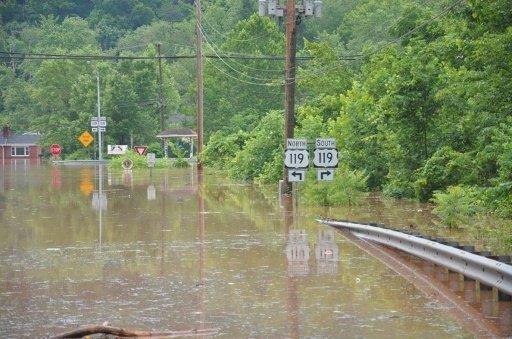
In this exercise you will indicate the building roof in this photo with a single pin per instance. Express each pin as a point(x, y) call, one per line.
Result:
point(177, 133)
point(24, 139)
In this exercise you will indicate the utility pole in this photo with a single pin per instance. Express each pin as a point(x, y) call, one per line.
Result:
point(294, 15)
point(161, 104)
point(289, 86)
point(100, 158)
point(199, 80)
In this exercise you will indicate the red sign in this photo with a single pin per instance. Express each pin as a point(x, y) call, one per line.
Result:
point(55, 149)
point(141, 149)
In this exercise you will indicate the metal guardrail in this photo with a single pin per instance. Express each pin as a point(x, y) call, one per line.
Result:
point(487, 271)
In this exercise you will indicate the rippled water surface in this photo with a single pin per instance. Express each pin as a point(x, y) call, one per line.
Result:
point(167, 253)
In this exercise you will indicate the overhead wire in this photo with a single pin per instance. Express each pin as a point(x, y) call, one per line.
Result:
point(203, 19)
point(444, 12)
point(231, 67)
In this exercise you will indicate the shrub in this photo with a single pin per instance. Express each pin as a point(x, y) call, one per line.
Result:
point(347, 188)
point(81, 154)
point(457, 205)
point(445, 168)
point(260, 148)
point(222, 148)
point(138, 161)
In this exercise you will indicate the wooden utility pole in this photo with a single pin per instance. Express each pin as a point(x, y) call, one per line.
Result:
point(289, 87)
point(199, 79)
point(161, 104)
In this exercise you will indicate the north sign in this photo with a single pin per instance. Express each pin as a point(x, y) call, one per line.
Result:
point(296, 158)
point(327, 157)
point(296, 144)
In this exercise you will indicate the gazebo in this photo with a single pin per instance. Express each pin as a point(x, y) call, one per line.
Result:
point(183, 133)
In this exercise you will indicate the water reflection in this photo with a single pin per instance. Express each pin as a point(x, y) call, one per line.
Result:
point(297, 253)
point(204, 252)
point(326, 252)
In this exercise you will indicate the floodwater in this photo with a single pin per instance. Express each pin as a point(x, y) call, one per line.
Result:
point(167, 252)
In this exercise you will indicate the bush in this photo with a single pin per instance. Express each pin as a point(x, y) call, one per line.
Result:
point(445, 168)
point(457, 205)
point(139, 161)
point(222, 148)
point(398, 188)
point(263, 143)
point(81, 154)
point(180, 163)
point(347, 188)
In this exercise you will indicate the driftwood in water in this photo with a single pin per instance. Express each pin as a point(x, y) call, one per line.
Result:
point(120, 332)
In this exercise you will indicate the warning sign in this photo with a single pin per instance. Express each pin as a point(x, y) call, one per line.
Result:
point(86, 138)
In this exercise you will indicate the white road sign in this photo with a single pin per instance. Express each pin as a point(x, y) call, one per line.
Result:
point(117, 149)
point(325, 143)
point(151, 159)
point(325, 174)
point(94, 129)
point(325, 157)
point(102, 123)
point(295, 175)
point(296, 158)
point(296, 144)
point(94, 123)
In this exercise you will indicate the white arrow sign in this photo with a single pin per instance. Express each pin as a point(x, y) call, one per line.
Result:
point(326, 157)
point(296, 175)
point(325, 174)
point(296, 158)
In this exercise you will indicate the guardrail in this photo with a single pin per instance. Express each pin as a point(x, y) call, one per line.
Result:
point(487, 271)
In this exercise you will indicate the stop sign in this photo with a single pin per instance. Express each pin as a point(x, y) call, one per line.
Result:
point(55, 149)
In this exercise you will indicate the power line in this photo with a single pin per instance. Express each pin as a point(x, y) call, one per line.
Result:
point(48, 56)
point(227, 36)
point(229, 66)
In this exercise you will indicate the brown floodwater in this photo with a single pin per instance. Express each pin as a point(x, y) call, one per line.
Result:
point(168, 253)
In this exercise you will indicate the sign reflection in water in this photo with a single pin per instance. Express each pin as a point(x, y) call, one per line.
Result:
point(326, 253)
point(297, 253)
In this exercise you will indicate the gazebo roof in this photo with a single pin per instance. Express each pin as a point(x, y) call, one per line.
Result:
point(177, 133)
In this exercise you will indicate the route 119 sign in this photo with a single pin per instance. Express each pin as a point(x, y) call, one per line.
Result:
point(325, 159)
point(296, 159)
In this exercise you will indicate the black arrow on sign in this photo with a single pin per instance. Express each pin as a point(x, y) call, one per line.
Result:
point(324, 173)
point(297, 174)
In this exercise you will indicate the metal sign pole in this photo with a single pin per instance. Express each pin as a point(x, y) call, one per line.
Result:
point(100, 158)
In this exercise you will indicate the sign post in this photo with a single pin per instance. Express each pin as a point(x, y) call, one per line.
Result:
point(99, 125)
point(325, 159)
point(296, 159)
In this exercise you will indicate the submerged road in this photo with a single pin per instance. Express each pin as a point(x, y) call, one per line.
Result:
point(171, 252)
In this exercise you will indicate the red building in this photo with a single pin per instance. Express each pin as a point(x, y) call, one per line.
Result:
point(19, 146)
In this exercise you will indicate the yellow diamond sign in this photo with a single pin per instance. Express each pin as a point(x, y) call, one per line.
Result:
point(86, 138)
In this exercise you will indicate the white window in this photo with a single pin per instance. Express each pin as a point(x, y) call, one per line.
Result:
point(19, 151)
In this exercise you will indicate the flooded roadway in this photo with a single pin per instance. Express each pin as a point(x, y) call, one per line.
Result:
point(167, 253)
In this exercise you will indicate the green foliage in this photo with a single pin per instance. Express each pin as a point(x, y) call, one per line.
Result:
point(222, 149)
point(457, 205)
point(82, 154)
point(445, 168)
point(347, 188)
point(139, 161)
point(260, 148)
